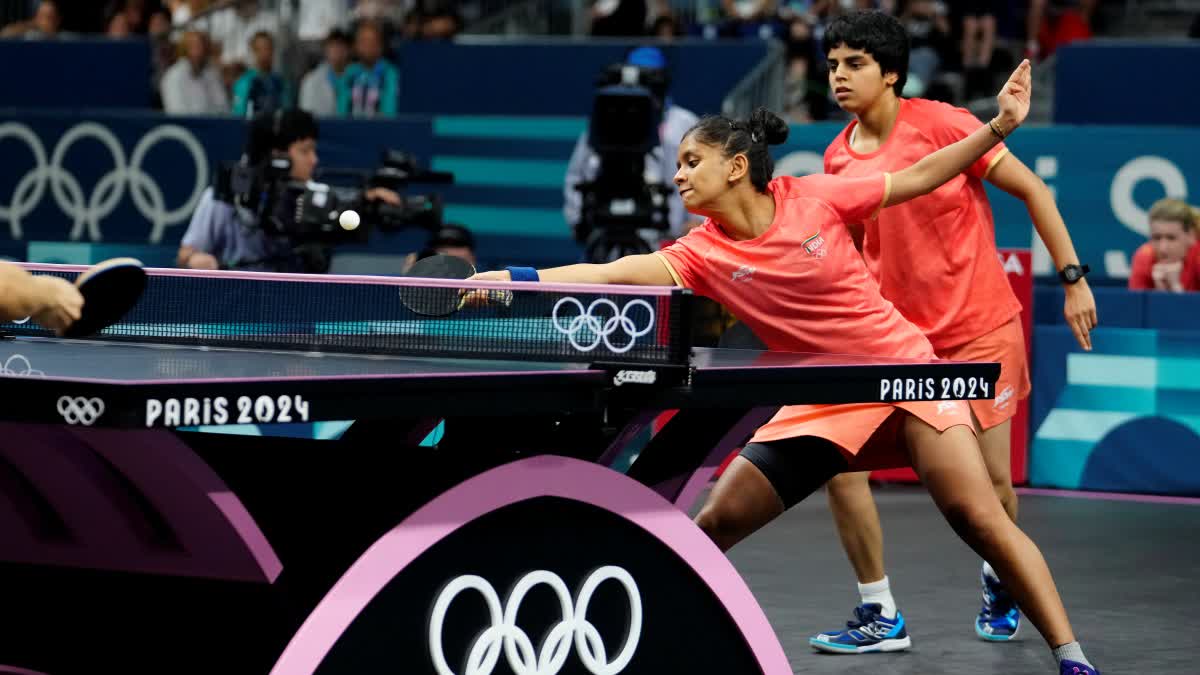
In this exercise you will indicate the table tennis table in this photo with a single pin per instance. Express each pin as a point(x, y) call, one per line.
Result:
point(545, 532)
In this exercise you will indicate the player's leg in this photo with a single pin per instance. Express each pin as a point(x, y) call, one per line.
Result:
point(857, 520)
point(951, 467)
point(878, 626)
point(999, 617)
point(762, 482)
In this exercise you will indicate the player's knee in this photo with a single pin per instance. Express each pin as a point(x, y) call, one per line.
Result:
point(848, 486)
point(726, 524)
point(975, 520)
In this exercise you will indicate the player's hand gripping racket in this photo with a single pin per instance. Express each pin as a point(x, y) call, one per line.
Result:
point(429, 301)
point(109, 289)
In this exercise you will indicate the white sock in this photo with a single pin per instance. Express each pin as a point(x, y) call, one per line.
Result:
point(987, 569)
point(879, 592)
point(1071, 652)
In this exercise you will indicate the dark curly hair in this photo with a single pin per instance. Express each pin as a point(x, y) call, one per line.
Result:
point(878, 34)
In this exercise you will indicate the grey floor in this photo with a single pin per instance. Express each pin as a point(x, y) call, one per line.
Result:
point(1129, 574)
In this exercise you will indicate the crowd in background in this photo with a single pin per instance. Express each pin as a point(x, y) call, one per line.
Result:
point(335, 57)
point(212, 57)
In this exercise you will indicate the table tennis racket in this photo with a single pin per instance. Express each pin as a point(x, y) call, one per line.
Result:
point(109, 289)
point(428, 301)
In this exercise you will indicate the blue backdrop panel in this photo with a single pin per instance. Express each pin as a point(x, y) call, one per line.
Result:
point(1123, 82)
point(63, 73)
point(556, 78)
point(1124, 417)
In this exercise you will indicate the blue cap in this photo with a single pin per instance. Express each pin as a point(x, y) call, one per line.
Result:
point(647, 57)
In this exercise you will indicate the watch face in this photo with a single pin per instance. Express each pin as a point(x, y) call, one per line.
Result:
point(1071, 273)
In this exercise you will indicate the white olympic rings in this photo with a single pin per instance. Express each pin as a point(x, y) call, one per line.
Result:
point(600, 329)
point(80, 409)
point(555, 648)
point(87, 211)
point(24, 367)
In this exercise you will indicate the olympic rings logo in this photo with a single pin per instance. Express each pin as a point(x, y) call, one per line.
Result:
point(86, 211)
point(24, 367)
point(518, 648)
point(80, 409)
point(596, 329)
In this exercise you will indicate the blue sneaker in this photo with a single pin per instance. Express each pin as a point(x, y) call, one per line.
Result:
point(1076, 668)
point(999, 619)
point(870, 631)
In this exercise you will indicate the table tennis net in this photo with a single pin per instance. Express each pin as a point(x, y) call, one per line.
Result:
point(366, 315)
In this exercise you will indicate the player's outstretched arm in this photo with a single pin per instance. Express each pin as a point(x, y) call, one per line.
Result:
point(52, 302)
point(634, 270)
point(939, 167)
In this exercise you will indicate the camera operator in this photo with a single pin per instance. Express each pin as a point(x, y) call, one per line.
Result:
point(219, 237)
point(585, 165)
point(450, 239)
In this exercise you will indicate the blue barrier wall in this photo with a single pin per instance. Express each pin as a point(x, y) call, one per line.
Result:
point(1124, 417)
point(61, 73)
point(557, 77)
point(131, 178)
point(1125, 82)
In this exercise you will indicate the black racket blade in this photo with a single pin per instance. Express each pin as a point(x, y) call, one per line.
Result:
point(109, 289)
point(429, 301)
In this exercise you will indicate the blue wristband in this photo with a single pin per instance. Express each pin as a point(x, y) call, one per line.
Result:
point(523, 273)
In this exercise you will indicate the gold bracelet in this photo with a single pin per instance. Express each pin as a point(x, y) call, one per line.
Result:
point(995, 127)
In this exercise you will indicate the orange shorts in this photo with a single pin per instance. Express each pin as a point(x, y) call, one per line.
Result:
point(1004, 345)
point(869, 434)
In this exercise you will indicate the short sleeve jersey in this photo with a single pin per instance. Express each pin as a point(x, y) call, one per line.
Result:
point(934, 256)
point(801, 286)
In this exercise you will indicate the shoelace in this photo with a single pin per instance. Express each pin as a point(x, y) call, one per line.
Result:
point(862, 617)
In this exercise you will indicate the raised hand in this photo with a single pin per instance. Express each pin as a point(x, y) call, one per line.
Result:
point(1014, 97)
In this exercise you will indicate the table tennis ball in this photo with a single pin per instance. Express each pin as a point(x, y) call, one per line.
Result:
point(349, 220)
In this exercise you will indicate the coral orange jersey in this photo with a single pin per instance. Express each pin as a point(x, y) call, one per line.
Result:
point(1141, 273)
point(801, 286)
point(934, 256)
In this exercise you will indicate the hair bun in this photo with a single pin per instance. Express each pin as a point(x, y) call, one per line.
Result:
point(767, 127)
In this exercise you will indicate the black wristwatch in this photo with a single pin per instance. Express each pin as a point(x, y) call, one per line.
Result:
point(1071, 274)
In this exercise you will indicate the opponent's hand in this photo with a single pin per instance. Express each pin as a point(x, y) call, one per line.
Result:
point(1014, 97)
point(60, 301)
point(202, 261)
point(482, 297)
point(1079, 308)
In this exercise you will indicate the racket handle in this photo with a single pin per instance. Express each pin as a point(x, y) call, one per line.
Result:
point(480, 298)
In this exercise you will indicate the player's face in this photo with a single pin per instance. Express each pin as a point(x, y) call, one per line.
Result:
point(856, 79)
point(1170, 240)
point(303, 154)
point(702, 176)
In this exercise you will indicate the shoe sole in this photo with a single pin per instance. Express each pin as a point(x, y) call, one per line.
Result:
point(895, 645)
point(986, 637)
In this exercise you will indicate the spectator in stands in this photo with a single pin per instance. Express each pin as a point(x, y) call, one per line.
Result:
point(1170, 261)
point(618, 18)
point(133, 11)
point(45, 24)
point(929, 36)
point(1051, 24)
point(390, 12)
point(320, 87)
point(231, 30)
point(750, 17)
point(261, 89)
point(316, 19)
point(118, 26)
point(193, 86)
point(441, 21)
point(978, 43)
point(370, 87)
point(183, 11)
point(660, 161)
point(450, 239)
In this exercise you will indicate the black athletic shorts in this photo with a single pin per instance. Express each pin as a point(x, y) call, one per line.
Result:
point(796, 467)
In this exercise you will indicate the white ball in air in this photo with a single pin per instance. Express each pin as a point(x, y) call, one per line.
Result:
point(349, 220)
